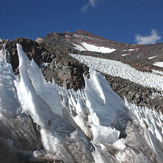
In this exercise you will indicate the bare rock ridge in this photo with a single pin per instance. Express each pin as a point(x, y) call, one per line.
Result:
point(67, 39)
point(141, 57)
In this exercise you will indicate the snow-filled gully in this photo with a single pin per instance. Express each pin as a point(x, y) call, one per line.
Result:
point(82, 126)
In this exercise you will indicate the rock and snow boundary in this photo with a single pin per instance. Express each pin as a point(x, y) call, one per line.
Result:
point(119, 69)
point(89, 47)
point(91, 125)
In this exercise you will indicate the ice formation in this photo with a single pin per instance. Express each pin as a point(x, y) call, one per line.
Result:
point(90, 125)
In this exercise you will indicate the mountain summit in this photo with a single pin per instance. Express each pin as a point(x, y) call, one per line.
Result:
point(123, 50)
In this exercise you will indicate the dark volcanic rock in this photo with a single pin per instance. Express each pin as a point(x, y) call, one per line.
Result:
point(30, 47)
point(136, 93)
point(65, 70)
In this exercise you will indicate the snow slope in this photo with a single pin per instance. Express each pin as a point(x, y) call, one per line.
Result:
point(88, 47)
point(116, 68)
point(158, 64)
point(82, 126)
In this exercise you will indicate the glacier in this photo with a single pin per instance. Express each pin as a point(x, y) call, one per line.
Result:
point(89, 125)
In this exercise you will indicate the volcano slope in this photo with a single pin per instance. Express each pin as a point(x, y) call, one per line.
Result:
point(52, 54)
point(76, 118)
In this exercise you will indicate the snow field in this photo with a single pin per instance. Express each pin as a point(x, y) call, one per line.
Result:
point(158, 64)
point(116, 68)
point(88, 47)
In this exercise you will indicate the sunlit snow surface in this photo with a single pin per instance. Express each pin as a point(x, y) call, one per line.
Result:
point(88, 47)
point(152, 57)
point(157, 72)
point(130, 50)
point(158, 64)
point(119, 69)
point(65, 117)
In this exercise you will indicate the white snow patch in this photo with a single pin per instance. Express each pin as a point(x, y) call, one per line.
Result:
point(88, 47)
point(79, 47)
point(152, 57)
point(124, 55)
point(157, 72)
point(158, 64)
point(116, 68)
point(44, 64)
point(130, 49)
point(120, 144)
point(104, 134)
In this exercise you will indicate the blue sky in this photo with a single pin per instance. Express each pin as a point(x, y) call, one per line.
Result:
point(131, 21)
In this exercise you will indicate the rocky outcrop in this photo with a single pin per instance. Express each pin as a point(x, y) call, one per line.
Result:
point(64, 69)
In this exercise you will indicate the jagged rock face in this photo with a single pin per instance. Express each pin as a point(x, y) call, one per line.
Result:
point(32, 49)
point(64, 69)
